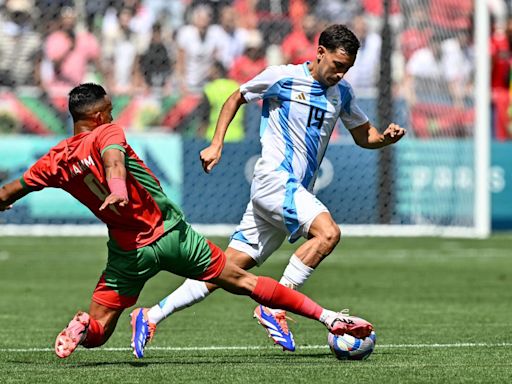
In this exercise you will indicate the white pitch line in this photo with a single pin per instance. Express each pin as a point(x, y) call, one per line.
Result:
point(261, 348)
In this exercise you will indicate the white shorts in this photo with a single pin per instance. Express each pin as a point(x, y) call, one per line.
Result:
point(279, 207)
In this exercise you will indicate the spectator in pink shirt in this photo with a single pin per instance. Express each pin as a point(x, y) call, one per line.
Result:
point(67, 54)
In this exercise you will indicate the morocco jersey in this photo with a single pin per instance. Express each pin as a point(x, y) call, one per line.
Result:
point(75, 165)
point(298, 117)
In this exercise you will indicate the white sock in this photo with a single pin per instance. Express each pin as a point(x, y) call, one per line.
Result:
point(326, 314)
point(294, 276)
point(296, 273)
point(187, 294)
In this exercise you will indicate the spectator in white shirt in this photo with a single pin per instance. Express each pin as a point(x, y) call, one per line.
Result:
point(197, 49)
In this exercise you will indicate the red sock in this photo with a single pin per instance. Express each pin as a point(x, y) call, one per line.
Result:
point(95, 334)
point(270, 293)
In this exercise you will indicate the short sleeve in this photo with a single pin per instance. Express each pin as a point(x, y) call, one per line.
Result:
point(351, 114)
point(259, 87)
point(111, 136)
point(45, 172)
point(183, 37)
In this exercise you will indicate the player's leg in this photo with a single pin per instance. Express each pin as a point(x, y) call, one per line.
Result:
point(308, 218)
point(187, 294)
point(255, 238)
point(323, 235)
point(90, 329)
point(260, 237)
point(193, 291)
point(106, 321)
point(194, 250)
point(243, 250)
point(118, 288)
point(270, 293)
point(291, 209)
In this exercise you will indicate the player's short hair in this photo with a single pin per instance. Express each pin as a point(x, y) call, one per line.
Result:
point(83, 97)
point(338, 36)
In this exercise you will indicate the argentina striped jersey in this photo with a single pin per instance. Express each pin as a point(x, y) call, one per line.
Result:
point(298, 117)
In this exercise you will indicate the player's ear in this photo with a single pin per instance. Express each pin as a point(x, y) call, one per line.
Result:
point(320, 52)
point(98, 118)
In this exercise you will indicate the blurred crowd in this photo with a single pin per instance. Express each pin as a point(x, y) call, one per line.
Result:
point(169, 65)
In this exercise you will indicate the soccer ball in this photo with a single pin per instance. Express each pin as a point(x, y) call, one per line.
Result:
point(346, 347)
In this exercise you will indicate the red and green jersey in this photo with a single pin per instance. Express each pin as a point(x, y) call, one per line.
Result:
point(75, 165)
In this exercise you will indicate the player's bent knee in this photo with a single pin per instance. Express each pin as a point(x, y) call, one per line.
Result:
point(331, 236)
point(241, 259)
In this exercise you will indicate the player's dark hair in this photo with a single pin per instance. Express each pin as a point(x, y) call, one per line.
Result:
point(338, 36)
point(82, 97)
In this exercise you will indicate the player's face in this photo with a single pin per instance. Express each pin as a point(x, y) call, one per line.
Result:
point(332, 65)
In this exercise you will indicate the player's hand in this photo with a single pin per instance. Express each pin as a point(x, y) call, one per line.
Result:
point(393, 133)
point(210, 156)
point(114, 200)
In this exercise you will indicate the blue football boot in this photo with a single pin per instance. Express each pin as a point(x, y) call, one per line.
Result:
point(276, 326)
point(142, 331)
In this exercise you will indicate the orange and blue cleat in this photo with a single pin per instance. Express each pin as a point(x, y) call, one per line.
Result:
point(142, 331)
point(276, 326)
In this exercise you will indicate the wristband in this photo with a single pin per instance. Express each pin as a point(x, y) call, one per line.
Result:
point(117, 186)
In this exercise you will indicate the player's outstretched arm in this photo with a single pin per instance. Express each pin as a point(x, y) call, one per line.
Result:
point(11, 192)
point(367, 136)
point(210, 156)
point(115, 171)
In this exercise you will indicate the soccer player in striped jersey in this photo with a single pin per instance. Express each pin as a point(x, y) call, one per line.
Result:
point(147, 232)
point(301, 104)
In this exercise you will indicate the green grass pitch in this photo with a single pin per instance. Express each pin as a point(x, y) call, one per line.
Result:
point(442, 309)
